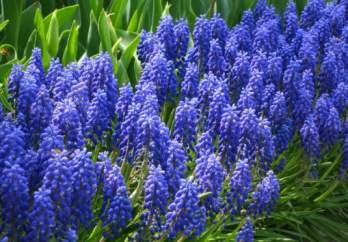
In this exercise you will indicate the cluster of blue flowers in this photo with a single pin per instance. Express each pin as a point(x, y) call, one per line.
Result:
point(77, 148)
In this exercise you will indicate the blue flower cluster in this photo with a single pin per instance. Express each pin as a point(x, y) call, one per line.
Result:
point(208, 117)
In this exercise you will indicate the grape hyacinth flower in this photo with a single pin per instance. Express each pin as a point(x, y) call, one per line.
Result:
point(14, 200)
point(79, 95)
point(117, 208)
point(35, 67)
point(146, 47)
point(219, 30)
point(265, 197)
point(229, 134)
point(210, 177)
point(204, 145)
point(216, 61)
point(84, 184)
point(57, 181)
point(310, 139)
point(54, 71)
point(344, 165)
point(156, 199)
point(176, 165)
point(66, 119)
point(246, 234)
point(340, 97)
point(98, 119)
point(201, 38)
point(42, 222)
point(291, 21)
point(186, 118)
point(240, 186)
point(40, 112)
point(184, 213)
point(189, 86)
point(14, 81)
point(165, 35)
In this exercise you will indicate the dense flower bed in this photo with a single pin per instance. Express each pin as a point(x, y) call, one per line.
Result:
point(196, 141)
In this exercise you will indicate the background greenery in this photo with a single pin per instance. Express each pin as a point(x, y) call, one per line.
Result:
point(309, 210)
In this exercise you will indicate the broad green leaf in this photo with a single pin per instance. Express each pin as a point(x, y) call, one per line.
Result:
point(117, 9)
point(93, 40)
point(104, 32)
point(3, 24)
point(27, 26)
point(12, 10)
point(31, 42)
point(65, 17)
point(129, 52)
point(72, 45)
point(53, 35)
point(133, 24)
point(41, 31)
point(96, 233)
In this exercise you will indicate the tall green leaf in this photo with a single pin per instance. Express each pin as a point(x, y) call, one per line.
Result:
point(41, 32)
point(53, 35)
point(12, 11)
point(71, 49)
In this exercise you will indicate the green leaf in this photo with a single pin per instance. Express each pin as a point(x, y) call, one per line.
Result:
point(31, 42)
point(12, 10)
point(129, 52)
point(27, 26)
point(72, 45)
point(104, 32)
point(53, 35)
point(133, 23)
point(117, 9)
point(93, 39)
point(97, 232)
point(41, 31)
point(3, 24)
point(65, 17)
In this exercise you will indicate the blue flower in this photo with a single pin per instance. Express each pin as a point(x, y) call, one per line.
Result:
point(204, 145)
point(155, 199)
point(184, 213)
point(229, 133)
point(265, 196)
point(66, 119)
point(283, 134)
point(308, 51)
point(201, 38)
point(311, 13)
point(206, 91)
point(291, 82)
point(216, 108)
point(219, 30)
point(12, 142)
point(62, 86)
point(344, 165)
point(291, 21)
point(260, 8)
point(117, 208)
point(14, 81)
point(14, 200)
point(216, 61)
point(84, 184)
point(166, 36)
point(182, 37)
point(302, 107)
point(189, 86)
point(329, 72)
point(54, 71)
point(266, 36)
point(98, 119)
point(330, 130)
point(50, 141)
point(42, 222)
point(40, 112)
point(104, 79)
point(87, 75)
point(337, 19)
point(340, 97)
point(176, 166)
point(239, 74)
point(57, 181)
point(27, 93)
point(186, 119)
point(210, 176)
point(274, 69)
point(246, 233)
point(146, 47)
point(79, 95)
point(248, 21)
point(156, 71)
point(122, 106)
point(240, 185)
point(267, 97)
point(310, 139)
point(278, 110)
point(35, 67)
point(308, 83)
